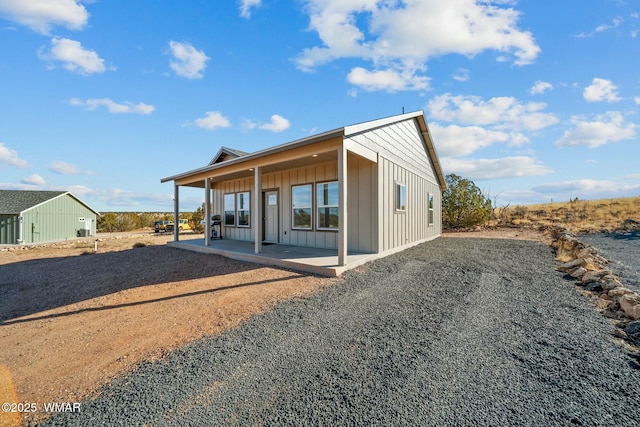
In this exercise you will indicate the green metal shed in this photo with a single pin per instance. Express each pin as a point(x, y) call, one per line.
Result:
point(44, 216)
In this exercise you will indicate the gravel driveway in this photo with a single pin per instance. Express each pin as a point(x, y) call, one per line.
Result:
point(623, 251)
point(454, 332)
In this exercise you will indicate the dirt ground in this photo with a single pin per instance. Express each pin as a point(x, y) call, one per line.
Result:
point(72, 318)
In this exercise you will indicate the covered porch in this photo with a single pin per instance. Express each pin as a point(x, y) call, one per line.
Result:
point(319, 261)
point(260, 178)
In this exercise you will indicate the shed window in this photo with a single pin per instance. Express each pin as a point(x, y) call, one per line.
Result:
point(430, 208)
point(327, 194)
point(244, 213)
point(301, 200)
point(230, 210)
point(401, 197)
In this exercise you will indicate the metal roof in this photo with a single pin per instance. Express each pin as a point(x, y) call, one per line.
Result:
point(343, 131)
point(226, 152)
point(13, 202)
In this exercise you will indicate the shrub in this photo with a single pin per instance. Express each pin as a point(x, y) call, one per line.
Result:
point(463, 204)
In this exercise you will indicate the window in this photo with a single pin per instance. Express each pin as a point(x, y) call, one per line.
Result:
point(230, 210)
point(327, 194)
point(301, 206)
point(244, 213)
point(401, 197)
point(430, 208)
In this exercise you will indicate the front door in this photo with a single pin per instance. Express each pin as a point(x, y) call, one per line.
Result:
point(270, 226)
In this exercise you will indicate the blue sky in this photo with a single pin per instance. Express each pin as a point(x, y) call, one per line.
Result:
point(534, 100)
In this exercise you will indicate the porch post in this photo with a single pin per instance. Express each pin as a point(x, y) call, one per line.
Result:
point(207, 211)
point(342, 206)
point(257, 209)
point(176, 212)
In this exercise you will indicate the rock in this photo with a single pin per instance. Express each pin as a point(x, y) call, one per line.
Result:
point(620, 291)
point(602, 303)
point(630, 304)
point(633, 328)
point(568, 266)
point(594, 276)
point(587, 252)
point(600, 260)
point(610, 283)
point(578, 272)
point(620, 333)
point(593, 287)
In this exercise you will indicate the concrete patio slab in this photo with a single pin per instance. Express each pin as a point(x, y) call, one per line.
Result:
point(311, 260)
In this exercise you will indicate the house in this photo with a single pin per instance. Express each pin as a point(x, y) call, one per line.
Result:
point(370, 188)
point(43, 216)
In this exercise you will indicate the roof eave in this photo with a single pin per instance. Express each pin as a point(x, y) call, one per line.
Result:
point(258, 154)
point(431, 151)
point(60, 195)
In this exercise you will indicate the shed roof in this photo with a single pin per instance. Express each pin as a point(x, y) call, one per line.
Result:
point(17, 201)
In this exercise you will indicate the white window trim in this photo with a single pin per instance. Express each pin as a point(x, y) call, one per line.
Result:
point(224, 211)
point(318, 206)
point(310, 207)
point(397, 205)
point(238, 210)
point(430, 209)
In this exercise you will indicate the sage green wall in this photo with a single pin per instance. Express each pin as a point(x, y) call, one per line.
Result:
point(8, 229)
point(56, 219)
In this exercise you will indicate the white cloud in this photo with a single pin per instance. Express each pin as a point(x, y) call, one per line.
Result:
point(75, 58)
point(34, 179)
point(389, 80)
point(403, 36)
point(540, 87)
point(606, 128)
point(64, 168)
point(506, 167)
point(499, 112)
point(10, 157)
point(92, 104)
point(588, 188)
point(614, 24)
point(461, 75)
point(454, 140)
point(42, 15)
point(187, 61)
point(247, 5)
point(637, 100)
point(278, 124)
point(212, 120)
point(601, 90)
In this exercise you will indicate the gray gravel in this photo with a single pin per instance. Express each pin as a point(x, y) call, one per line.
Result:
point(623, 252)
point(454, 332)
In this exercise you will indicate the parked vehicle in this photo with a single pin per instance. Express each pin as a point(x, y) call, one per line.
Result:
point(163, 226)
point(183, 224)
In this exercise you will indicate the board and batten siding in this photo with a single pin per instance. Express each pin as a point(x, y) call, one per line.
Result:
point(282, 182)
point(402, 144)
point(362, 217)
point(362, 202)
point(9, 229)
point(399, 228)
point(403, 158)
point(56, 219)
